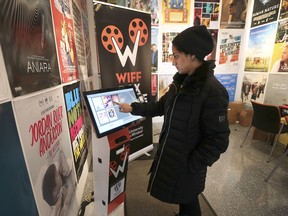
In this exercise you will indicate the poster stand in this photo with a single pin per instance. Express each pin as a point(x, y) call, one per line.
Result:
point(110, 163)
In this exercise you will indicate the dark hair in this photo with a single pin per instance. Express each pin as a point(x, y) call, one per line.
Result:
point(49, 184)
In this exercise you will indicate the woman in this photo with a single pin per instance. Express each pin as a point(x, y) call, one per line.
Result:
point(237, 13)
point(282, 64)
point(195, 130)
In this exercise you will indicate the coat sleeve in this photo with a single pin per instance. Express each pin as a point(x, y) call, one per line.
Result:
point(149, 109)
point(214, 128)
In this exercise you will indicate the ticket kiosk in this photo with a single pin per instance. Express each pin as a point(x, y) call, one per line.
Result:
point(111, 148)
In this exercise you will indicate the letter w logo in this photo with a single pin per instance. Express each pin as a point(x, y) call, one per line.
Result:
point(113, 41)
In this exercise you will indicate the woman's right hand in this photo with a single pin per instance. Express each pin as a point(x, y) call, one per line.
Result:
point(123, 107)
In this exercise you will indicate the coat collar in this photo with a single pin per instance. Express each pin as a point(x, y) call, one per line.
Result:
point(199, 76)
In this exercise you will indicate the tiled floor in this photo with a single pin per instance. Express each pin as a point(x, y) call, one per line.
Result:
point(235, 184)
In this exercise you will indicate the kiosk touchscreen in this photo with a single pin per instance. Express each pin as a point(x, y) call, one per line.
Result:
point(105, 114)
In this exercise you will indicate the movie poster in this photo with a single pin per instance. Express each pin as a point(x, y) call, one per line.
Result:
point(279, 62)
point(229, 81)
point(283, 10)
point(164, 82)
point(264, 11)
point(75, 118)
point(206, 12)
point(42, 125)
point(4, 86)
point(126, 43)
point(154, 49)
point(276, 90)
point(150, 6)
point(28, 45)
point(258, 53)
point(16, 192)
point(229, 50)
point(82, 41)
point(253, 87)
point(167, 38)
point(176, 11)
point(154, 87)
point(233, 14)
point(64, 32)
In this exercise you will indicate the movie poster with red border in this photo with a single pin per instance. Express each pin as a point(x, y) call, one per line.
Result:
point(75, 118)
point(42, 125)
point(28, 46)
point(65, 40)
point(16, 191)
point(124, 47)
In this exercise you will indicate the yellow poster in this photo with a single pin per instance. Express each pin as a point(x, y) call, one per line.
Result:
point(176, 11)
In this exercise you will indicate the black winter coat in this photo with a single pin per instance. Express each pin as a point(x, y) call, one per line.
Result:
point(194, 134)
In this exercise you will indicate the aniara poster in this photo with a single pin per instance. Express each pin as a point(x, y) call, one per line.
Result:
point(28, 45)
point(44, 135)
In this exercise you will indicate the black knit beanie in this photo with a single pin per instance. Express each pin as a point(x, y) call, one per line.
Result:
point(195, 40)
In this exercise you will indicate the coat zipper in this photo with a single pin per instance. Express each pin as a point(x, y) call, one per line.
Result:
point(156, 170)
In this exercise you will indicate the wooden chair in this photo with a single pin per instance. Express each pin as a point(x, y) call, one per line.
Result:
point(267, 118)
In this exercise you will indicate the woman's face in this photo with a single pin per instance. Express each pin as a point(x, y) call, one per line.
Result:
point(181, 61)
point(232, 9)
point(284, 56)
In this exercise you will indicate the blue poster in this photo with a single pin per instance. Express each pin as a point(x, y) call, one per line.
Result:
point(229, 81)
point(15, 188)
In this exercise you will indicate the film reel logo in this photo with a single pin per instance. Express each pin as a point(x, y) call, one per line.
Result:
point(113, 41)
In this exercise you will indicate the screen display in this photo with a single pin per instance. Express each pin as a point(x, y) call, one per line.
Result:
point(105, 114)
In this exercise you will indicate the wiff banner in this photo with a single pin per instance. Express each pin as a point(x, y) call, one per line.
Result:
point(124, 58)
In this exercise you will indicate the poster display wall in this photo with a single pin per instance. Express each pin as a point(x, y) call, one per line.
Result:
point(126, 44)
point(44, 135)
point(28, 46)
